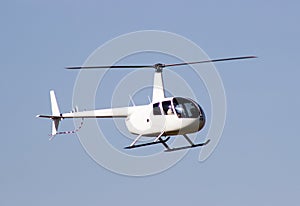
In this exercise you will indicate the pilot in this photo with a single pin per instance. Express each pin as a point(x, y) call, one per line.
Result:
point(179, 111)
point(170, 111)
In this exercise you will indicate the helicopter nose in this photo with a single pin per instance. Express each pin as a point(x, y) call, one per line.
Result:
point(201, 122)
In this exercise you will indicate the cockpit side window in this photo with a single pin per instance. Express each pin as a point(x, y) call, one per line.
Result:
point(156, 109)
point(167, 107)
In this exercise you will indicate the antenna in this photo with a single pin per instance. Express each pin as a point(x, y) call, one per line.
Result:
point(131, 100)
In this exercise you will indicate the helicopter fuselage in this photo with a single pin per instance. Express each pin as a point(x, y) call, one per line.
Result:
point(172, 116)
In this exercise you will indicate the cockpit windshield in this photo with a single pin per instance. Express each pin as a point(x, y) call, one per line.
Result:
point(186, 108)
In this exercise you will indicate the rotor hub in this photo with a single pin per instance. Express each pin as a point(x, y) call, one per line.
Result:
point(158, 67)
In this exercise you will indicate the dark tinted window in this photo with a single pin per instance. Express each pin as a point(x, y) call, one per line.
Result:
point(167, 107)
point(156, 109)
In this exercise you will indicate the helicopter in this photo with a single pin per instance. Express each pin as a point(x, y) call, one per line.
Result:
point(162, 118)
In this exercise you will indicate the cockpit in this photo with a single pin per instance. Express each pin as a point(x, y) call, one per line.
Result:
point(182, 107)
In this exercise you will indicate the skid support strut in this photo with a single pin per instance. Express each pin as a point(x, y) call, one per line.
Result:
point(157, 140)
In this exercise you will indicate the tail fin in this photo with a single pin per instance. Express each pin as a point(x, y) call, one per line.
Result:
point(54, 105)
point(55, 112)
point(55, 123)
point(56, 117)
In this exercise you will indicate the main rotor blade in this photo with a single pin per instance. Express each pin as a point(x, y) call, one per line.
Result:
point(115, 66)
point(158, 65)
point(208, 61)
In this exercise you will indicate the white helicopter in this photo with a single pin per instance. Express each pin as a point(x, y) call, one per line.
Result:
point(164, 117)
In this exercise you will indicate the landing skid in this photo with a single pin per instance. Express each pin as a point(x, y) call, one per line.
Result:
point(161, 141)
point(187, 147)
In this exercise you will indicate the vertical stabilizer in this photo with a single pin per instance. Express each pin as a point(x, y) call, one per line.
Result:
point(55, 124)
point(54, 105)
point(55, 113)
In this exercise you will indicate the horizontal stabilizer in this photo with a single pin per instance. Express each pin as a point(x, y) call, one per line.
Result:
point(48, 116)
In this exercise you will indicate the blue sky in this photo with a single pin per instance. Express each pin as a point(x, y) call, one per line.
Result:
point(257, 159)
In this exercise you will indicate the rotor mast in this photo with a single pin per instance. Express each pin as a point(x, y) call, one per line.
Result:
point(158, 84)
